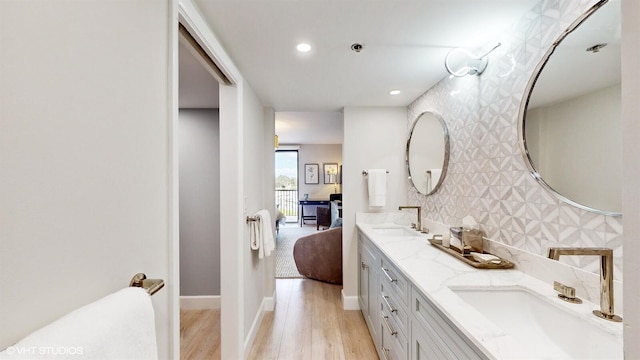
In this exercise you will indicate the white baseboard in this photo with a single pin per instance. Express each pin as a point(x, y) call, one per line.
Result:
point(255, 326)
point(350, 302)
point(200, 302)
point(270, 302)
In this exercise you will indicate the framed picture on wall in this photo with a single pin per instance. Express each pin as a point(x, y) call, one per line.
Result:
point(311, 174)
point(330, 171)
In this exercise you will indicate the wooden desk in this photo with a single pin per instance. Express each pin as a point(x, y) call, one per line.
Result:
point(304, 203)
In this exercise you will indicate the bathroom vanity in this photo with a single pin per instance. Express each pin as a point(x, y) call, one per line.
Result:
point(422, 303)
point(402, 322)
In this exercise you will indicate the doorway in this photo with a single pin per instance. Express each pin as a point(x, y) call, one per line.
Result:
point(286, 172)
point(199, 207)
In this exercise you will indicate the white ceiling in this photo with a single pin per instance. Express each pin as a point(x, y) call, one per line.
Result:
point(405, 43)
point(318, 127)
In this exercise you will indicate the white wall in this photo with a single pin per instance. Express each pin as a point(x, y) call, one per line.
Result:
point(269, 185)
point(255, 174)
point(631, 166)
point(199, 202)
point(372, 135)
point(317, 154)
point(564, 154)
point(84, 186)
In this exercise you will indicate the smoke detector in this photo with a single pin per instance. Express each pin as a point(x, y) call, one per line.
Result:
point(596, 48)
point(357, 47)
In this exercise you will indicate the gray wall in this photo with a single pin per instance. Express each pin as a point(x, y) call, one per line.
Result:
point(199, 202)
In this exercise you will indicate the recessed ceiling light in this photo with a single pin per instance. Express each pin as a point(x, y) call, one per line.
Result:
point(303, 47)
point(394, 92)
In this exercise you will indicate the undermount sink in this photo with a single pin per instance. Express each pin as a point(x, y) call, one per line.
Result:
point(394, 231)
point(542, 328)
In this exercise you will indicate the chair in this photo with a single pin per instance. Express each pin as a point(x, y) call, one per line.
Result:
point(319, 256)
point(323, 217)
point(335, 206)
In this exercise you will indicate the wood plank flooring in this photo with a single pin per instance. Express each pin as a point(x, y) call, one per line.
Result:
point(199, 334)
point(308, 323)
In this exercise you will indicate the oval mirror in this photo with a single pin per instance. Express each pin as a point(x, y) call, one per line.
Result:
point(570, 131)
point(428, 153)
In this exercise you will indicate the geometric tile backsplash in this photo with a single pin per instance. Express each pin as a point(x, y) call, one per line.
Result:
point(487, 177)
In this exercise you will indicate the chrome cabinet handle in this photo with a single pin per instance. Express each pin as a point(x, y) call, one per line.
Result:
point(386, 301)
point(386, 323)
point(385, 352)
point(364, 266)
point(385, 271)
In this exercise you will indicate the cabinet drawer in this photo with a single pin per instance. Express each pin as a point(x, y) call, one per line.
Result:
point(444, 336)
point(398, 283)
point(390, 304)
point(393, 343)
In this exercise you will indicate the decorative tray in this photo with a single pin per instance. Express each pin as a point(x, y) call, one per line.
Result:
point(469, 260)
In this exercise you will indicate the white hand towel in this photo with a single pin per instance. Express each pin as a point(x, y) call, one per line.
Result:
point(433, 179)
point(435, 176)
point(118, 326)
point(377, 185)
point(261, 234)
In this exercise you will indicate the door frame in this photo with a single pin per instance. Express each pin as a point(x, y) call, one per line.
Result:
point(185, 12)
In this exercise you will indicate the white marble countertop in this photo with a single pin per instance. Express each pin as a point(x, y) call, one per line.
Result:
point(435, 273)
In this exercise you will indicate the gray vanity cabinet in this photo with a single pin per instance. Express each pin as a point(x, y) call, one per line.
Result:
point(393, 291)
point(433, 336)
point(403, 323)
point(367, 285)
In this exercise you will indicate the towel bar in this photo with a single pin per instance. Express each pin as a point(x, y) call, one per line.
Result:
point(366, 172)
point(250, 219)
point(150, 285)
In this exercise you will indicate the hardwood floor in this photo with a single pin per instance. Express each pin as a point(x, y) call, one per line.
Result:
point(308, 323)
point(199, 334)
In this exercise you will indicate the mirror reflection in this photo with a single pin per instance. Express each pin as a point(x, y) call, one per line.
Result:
point(571, 131)
point(428, 153)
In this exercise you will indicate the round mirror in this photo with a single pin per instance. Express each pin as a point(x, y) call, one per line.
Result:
point(428, 153)
point(570, 130)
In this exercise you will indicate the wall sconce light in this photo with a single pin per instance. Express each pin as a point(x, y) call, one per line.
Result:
point(461, 62)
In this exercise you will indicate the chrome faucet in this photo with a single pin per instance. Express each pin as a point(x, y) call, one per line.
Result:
point(606, 277)
point(419, 208)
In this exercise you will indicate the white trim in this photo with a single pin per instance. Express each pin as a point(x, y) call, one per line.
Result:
point(200, 302)
point(288, 147)
point(350, 302)
point(255, 326)
point(270, 302)
point(173, 206)
point(193, 20)
point(232, 220)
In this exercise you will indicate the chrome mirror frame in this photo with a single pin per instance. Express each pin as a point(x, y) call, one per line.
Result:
point(525, 104)
point(445, 163)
